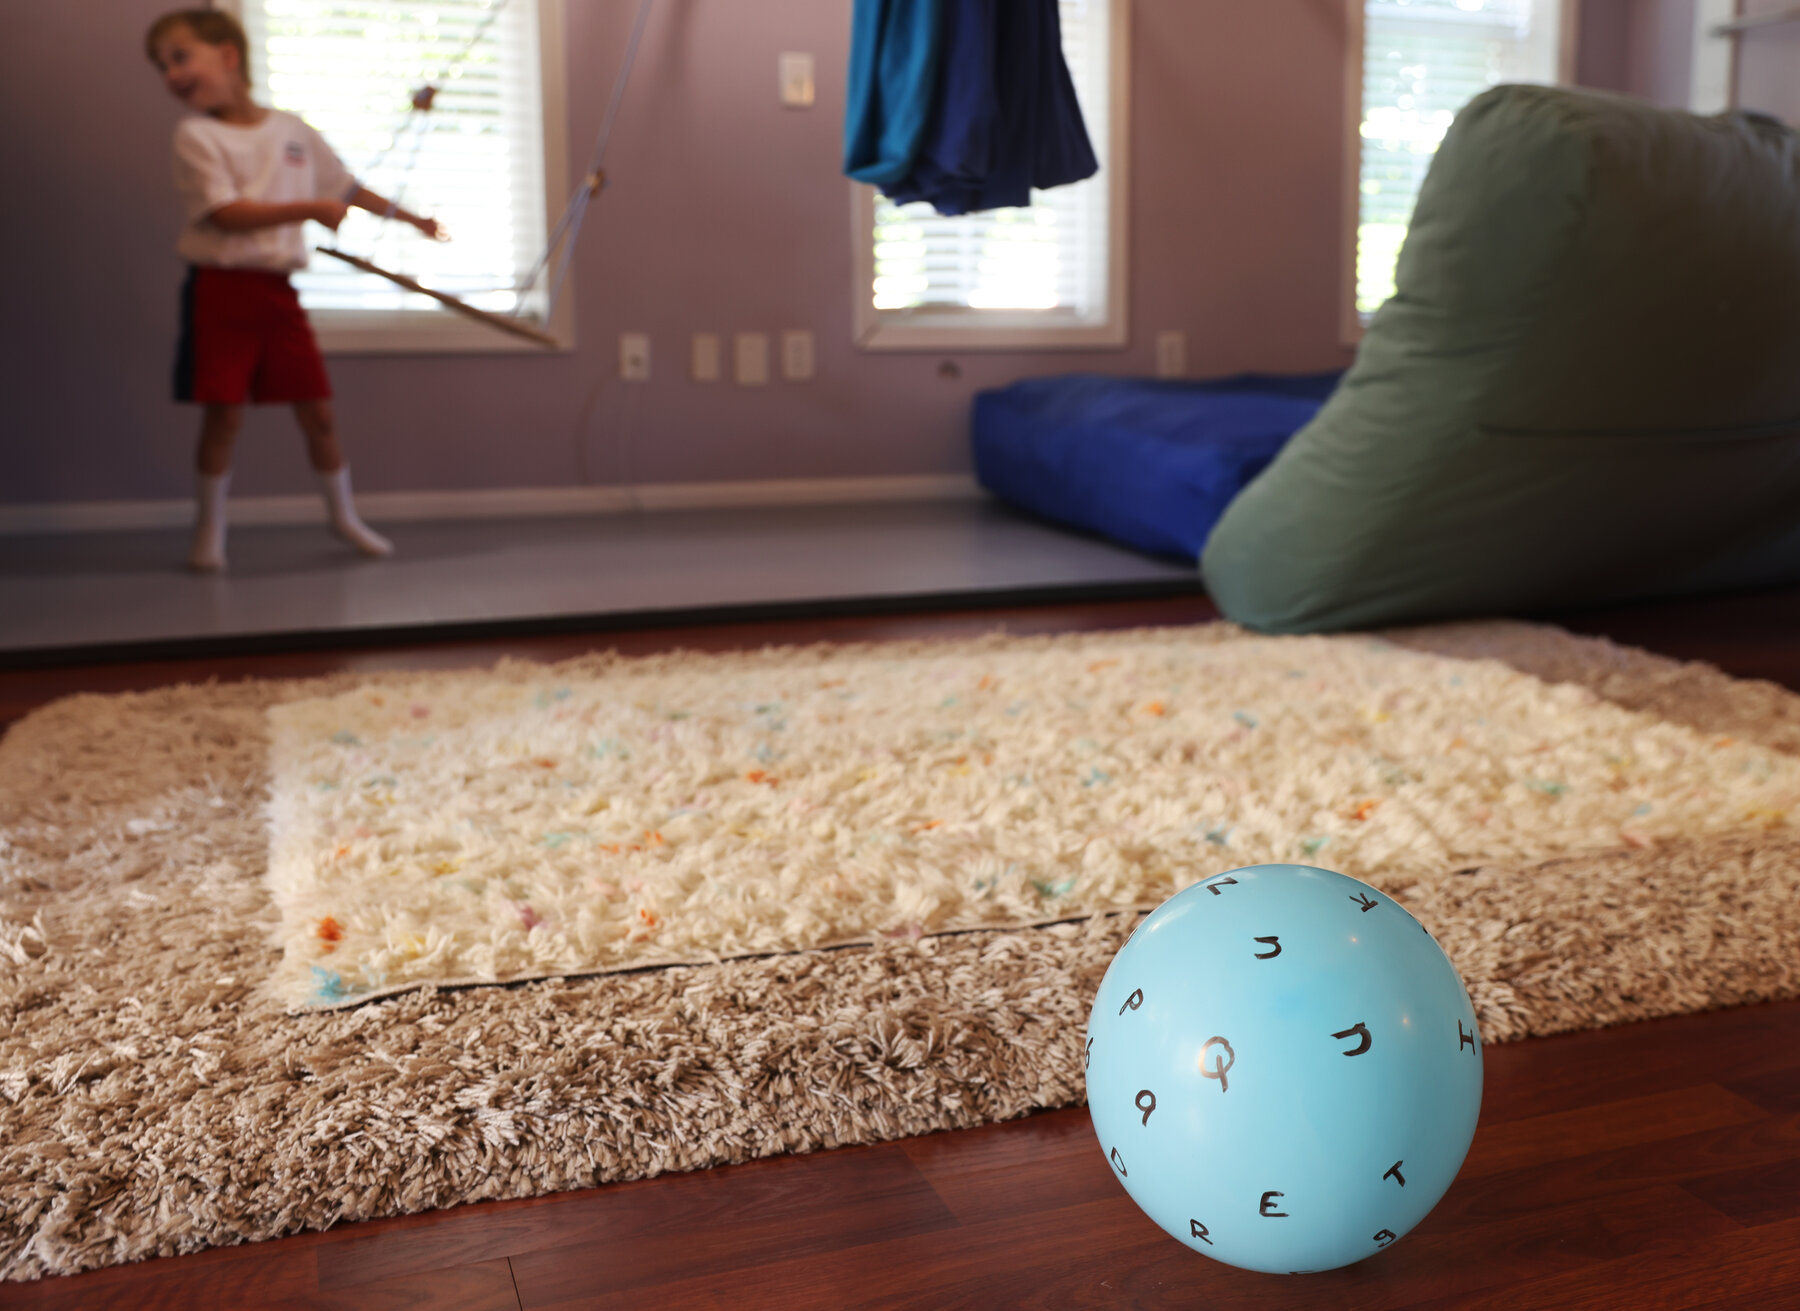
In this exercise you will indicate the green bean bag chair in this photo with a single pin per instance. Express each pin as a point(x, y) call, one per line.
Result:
point(1586, 387)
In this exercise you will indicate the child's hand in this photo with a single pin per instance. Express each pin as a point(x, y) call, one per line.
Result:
point(329, 212)
point(432, 228)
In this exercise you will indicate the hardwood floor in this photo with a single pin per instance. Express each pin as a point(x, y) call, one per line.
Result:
point(1651, 1166)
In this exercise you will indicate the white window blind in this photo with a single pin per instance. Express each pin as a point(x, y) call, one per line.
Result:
point(1047, 261)
point(474, 161)
point(1423, 60)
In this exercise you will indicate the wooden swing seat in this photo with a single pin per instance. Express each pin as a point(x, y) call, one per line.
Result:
point(505, 323)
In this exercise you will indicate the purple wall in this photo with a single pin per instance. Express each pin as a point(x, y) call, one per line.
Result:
point(1659, 50)
point(726, 213)
point(1654, 41)
point(1602, 43)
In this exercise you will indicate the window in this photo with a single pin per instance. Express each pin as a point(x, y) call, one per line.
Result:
point(1422, 61)
point(476, 160)
point(1048, 275)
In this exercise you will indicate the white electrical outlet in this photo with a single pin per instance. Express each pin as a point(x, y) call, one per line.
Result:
point(634, 357)
point(1171, 354)
point(797, 355)
point(706, 357)
point(752, 350)
point(797, 89)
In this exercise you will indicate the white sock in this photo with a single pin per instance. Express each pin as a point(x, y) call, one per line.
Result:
point(344, 520)
point(208, 550)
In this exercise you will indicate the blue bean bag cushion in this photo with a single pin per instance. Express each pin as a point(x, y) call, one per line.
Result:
point(1585, 389)
point(1152, 464)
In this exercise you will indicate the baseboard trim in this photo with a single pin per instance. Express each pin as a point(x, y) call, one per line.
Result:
point(499, 503)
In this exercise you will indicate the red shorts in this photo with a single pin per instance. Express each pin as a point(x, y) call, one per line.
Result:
point(244, 336)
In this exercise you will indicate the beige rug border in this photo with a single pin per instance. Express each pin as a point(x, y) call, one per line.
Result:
point(134, 925)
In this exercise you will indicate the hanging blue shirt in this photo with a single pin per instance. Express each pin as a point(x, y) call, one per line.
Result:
point(1005, 118)
point(957, 146)
point(892, 80)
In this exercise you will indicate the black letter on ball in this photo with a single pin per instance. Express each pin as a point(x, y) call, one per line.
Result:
point(1361, 1031)
point(1226, 1061)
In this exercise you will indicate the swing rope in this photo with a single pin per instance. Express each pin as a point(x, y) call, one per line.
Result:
point(424, 98)
point(568, 225)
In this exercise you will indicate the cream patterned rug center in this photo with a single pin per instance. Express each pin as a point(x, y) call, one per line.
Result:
point(487, 828)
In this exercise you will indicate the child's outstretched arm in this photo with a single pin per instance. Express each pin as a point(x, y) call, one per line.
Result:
point(363, 198)
point(248, 215)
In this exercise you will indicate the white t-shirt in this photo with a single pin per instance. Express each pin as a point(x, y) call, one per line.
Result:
point(278, 161)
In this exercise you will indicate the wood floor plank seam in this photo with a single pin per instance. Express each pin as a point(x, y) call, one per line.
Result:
point(1670, 1277)
point(695, 1203)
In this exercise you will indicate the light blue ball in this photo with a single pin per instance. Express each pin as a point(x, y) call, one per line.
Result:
point(1283, 1068)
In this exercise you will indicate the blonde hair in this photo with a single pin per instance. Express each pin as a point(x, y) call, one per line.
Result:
point(213, 26)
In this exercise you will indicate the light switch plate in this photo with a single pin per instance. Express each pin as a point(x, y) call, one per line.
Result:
point(752, 350)
point(706, 357)
point(797, 90)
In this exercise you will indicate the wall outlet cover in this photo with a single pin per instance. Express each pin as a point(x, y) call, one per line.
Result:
point(797, 356)
point(634, 357)
point(1171, 354)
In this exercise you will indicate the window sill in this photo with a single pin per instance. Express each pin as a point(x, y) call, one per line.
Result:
point(993, 330)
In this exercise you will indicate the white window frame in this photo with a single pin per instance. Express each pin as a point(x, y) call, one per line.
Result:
point(939, 328)
point(444, 331)
point(1352, 321)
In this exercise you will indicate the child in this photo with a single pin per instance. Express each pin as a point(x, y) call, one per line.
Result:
point(249, 177)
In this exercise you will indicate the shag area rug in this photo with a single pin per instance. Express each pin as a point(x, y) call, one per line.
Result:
point(1594, 834)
